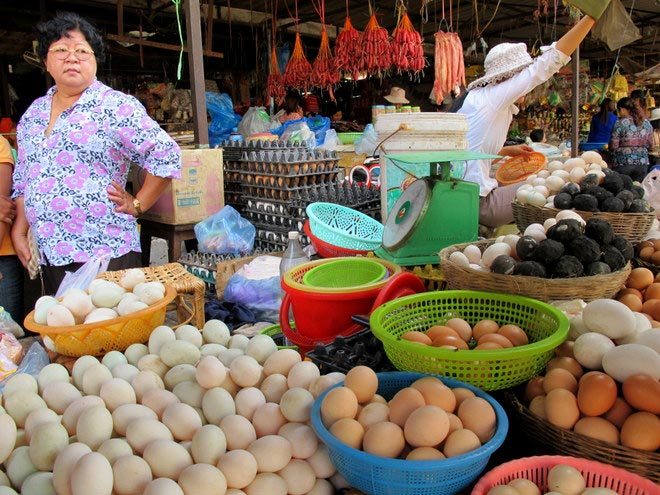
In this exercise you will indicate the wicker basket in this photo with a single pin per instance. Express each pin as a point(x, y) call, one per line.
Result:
point(177, 277)
point(544, 289)
point(431, 275)
point(552, 439)
point(632, 226)
point(97, 339)
point(518, 168)
point(639, 263)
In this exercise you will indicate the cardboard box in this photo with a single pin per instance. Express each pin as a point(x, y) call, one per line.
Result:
point(198, 194)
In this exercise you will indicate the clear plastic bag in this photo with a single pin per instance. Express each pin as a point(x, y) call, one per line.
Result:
point(83, 276)
point(225, 232)
point(299, 132)
point(314, 133)
point(615, 27)
point(331, 140)
point(263, 297)
point(33, 362)
point(367, 143)
point(255, 121)
point(223, 117)
point(7, 324)
point(651, 186)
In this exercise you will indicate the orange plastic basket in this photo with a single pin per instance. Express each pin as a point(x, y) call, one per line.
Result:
point(518, 168)
point(97, 339)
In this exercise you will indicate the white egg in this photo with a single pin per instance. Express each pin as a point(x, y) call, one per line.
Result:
point(563, 174)
point(549, 223)
point(594, 167)
point(539, 181)
point(536, 231)
point(543, 190)
point(573, 163)
point(544, 174)
point(473, 254)
point(577, 174)
point(460, 259)
point(554, 183)
point(536, 199)
point(555, 165)
point(493, 251)
point(526, 187)
point(566, 214)
point(522, 195)
point(530, 179)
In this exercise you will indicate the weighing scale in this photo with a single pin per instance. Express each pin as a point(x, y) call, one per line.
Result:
point(432, 212)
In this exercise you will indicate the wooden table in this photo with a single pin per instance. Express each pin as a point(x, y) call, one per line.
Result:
point(173, 234)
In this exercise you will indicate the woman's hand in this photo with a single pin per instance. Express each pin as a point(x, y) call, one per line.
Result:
point(520, 149)
point(7, 210)
point(124, 201)
point(21, 246)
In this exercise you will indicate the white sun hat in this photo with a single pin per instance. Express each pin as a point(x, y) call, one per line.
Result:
point(502, 62)
point(397, 96)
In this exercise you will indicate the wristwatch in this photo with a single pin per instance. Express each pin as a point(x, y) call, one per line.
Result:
point(138, 206)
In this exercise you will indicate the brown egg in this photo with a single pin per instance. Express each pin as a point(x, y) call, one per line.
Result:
point(404, 403)
point(559, 378)
point(460, 442)
point(426, 427)
point(565, 350)
point(384, 439)
point(484, 327)
point(652, 308)
point(655, 324)
point(478, 415)
point(495, 338)
point(338, 404)
point(462, 327)
point(641, 431)
point(349, 432)
point(652, 292)
point(656, 244)
point(597, 428)
point(637, 293)
point(436, 393)
point(631, 301)
point(515, 334)
point(640, 278)
point(417, 337)
point(451, 340)
point(461, 394)
point(363, 382)
point(488, 346)
point(561, 408)
point(455, 422)
point(618, 413)
point(655, 258)
point(642, 392)
point(378, 399)
point(440, 331)
point(537, 406)
point(567, 363)
point(425, 454)
point(646, 252)
point(657, 277)
point(450, 347)
point(534, 388)
point(597, 393)
point(373, 413)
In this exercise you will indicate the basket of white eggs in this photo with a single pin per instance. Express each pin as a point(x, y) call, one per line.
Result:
point(587, 186)
point(105, 317)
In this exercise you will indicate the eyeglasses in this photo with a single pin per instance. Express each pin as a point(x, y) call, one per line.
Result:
point(62, 53)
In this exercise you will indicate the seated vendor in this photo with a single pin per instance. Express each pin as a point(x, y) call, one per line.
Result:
point(292, 109)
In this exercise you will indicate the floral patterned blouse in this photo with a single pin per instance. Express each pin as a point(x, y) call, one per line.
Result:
point(64, 177)
point(630, 144)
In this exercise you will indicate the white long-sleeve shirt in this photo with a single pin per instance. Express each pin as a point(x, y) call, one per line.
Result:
point(490, 110)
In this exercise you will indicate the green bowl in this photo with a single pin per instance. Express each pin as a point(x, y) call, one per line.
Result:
point(348, 137)
point(347, 273)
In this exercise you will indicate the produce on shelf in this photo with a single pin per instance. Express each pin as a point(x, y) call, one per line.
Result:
point(563, 247)
point(583, 184)
point(298, 69)
point(375, 49)
point(427, 420)
point(187, 413)
point(456, 333)
point(562, 480)
point(605, 382)
point(407, 49)
point(347, 50)
point(449, 65)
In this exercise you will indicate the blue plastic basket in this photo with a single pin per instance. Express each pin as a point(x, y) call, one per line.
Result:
point(376, 475)
point(344, 227)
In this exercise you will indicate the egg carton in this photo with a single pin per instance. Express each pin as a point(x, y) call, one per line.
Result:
point(275, 223)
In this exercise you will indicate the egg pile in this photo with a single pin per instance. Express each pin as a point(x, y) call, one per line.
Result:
point(457, 334)
point(103, 300)
point(562, 480)
point(642, 294)
point(425, 421)
point(649, 251)
point(583, 184)
point(191, 413)
point(604, 384)
point(563, 247)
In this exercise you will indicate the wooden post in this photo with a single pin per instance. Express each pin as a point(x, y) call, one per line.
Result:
point(196, 65)
point(575, 134)
point(120, 17)
point(5, 111)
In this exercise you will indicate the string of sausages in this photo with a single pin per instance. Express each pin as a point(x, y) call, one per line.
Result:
point(296, 74)
point(275, 87)
point(324, 71)
point(375, 54)
point(347, 49)
point(407, 49)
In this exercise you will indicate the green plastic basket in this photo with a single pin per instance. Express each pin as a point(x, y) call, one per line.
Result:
point(546, 328)
point(348, 273)
point(348, 137)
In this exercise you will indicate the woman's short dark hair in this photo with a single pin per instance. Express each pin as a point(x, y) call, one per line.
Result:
point(63, 23)
point(537, 135)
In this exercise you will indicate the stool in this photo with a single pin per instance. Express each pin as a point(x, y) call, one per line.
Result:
point(176, 276)
point(173, 234)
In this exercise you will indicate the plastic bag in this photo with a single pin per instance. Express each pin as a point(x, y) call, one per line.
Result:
point(255, 121)
point(83, 276)
point(651, 185)
point(615, 27)
point(33, 362)
point(331, 140)
point(7, 324)
point(10, 347)
point(257, 287)
point(298, 133)
point(593, 8)
point(318, 126)
point(366, 144)
point(225, 232)
point(223, 117)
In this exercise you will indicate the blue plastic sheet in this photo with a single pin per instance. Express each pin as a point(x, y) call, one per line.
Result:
point(223, 118)
point(319, 125)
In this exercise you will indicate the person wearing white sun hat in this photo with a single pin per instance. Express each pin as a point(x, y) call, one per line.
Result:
point(397, 97)
point(490, 104)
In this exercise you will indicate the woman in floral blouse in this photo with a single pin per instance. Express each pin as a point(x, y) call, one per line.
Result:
point(76, 145)
point(631, 140)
